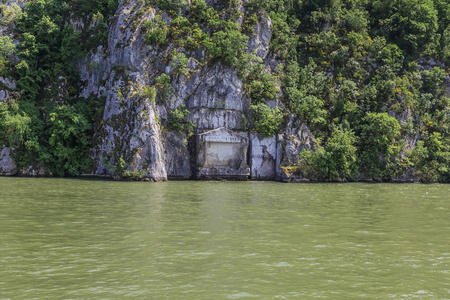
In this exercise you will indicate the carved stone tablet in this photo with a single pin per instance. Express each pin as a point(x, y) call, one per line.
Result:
point(222, 153)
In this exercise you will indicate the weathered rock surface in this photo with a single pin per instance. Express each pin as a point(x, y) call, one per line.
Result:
point(296, 138)
point(131, 131)
point(216, 87)
point(260, 42)
point(263, 156)
point(177, 157)
point(7, 165)
point(7, 85)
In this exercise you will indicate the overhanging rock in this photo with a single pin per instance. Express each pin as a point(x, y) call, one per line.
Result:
point(222, 154)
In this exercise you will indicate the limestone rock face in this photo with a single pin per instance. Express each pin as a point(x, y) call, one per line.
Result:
point(177, 156)
point(297, 138)
point(7, 165)
point(263, 156)
point(216, 88)
point(135, 128)
point(215, 97)
point(260, 42)
point(5, 93)
point(131, 131)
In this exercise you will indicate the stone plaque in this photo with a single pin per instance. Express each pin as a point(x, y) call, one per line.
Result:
point(222, 153)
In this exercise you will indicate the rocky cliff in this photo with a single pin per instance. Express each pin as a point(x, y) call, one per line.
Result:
point(135, 128)
point(136, 136)
point(213, 89)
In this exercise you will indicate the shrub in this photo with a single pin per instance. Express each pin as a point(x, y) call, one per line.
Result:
point(201, 12)
point(379, 149)
point(7, 48)
point(163, 81)
point(148, 92)
point(409, 23)
point(177, 120)
point(227, 45)
point(337, 160)
point(157, 31)
point(266, 120)
point(174, 6)
point(69, 141)
point(284, 40)
point(248, 26)
point(445, 42)
point(10, 14)
point(157, 37)
point(262, 88)
point(431, 158)
point(179, 62)
point(14, 124)
point(163, 86)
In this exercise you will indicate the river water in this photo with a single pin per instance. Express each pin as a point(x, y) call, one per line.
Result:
point(87, 239)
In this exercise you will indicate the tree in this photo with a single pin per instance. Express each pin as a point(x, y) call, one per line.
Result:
point(409, 23)
point(379, 151)
point(14, 124)
point(6, 49)
point(337, 160)
point(431, 158)
point(228, 45)
point(266, 120)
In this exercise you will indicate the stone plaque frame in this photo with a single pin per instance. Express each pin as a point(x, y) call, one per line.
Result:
point(222, 154)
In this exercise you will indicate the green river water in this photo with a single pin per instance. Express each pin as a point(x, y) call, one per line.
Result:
point(88, 239)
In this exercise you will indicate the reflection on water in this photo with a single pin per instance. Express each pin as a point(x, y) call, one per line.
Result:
point(79, 239)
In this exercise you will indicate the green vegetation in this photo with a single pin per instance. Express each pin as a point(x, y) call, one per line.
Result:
point(228, 44)
point(179, 62)
point(120, 172)
point(13, 122)
point(431, 158)
point(163, 86)
point(144, 92)
point(177, 120)
point(157, 30)
point(266, 120)
point(378, 70)
point(379, 147)
point(6, 49)
point(337, 160)
point(49, 125)
point(163, 81)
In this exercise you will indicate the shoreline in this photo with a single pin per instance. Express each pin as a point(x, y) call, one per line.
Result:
point(291, 180)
